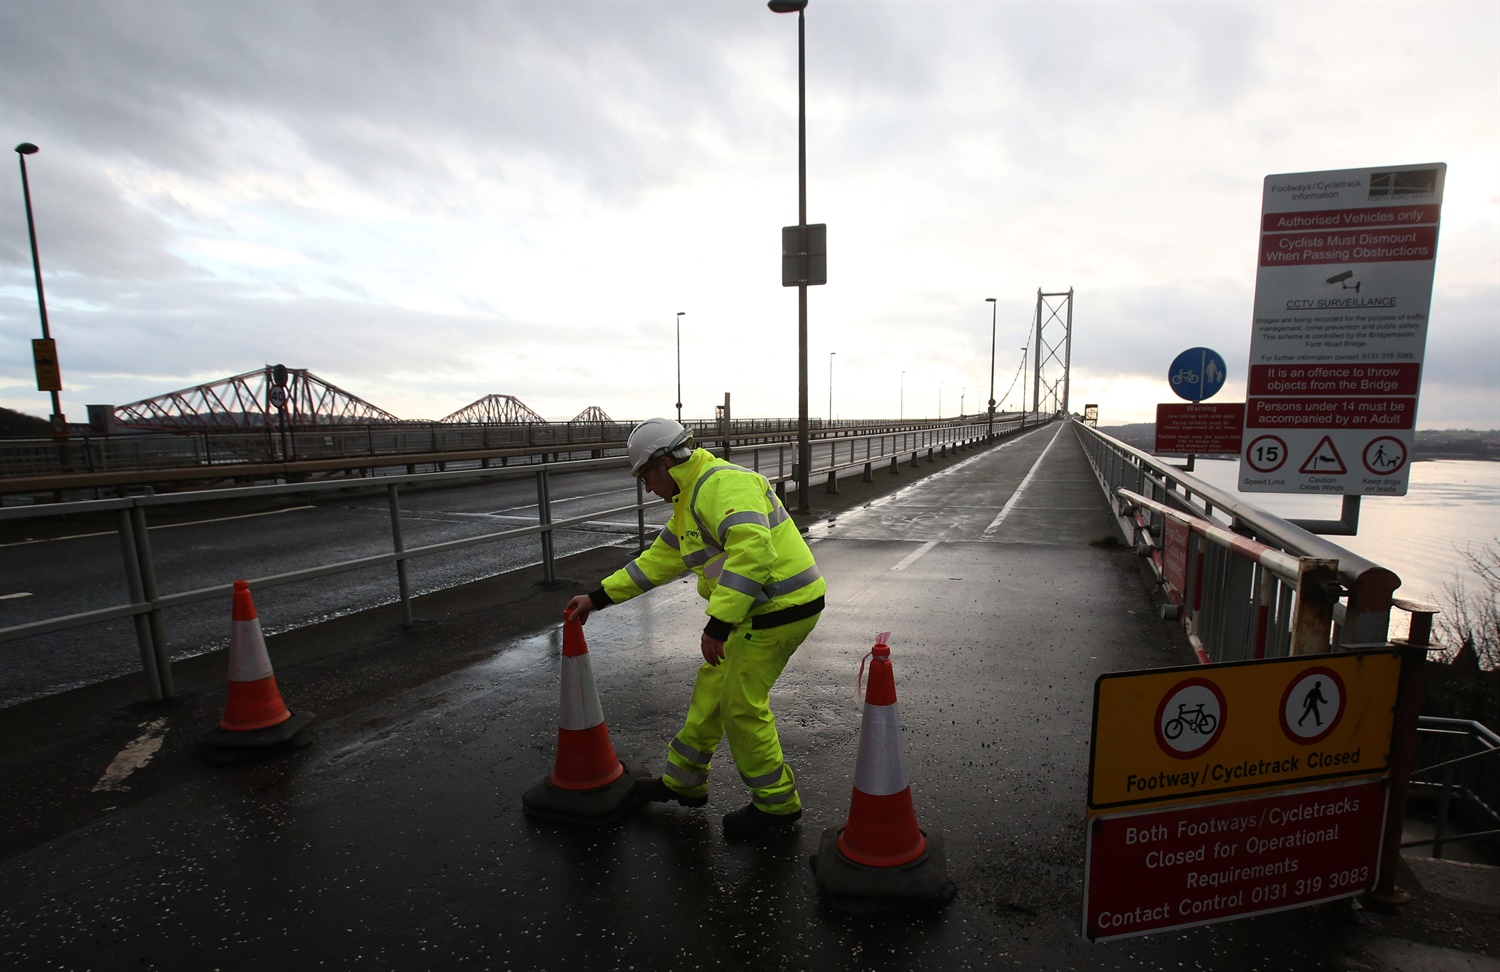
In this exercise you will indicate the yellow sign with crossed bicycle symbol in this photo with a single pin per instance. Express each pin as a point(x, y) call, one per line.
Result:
point(1179, 734)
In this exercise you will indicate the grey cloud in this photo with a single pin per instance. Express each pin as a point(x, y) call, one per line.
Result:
point(378, 89)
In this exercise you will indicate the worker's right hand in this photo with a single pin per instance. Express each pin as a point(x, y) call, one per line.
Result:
point(579, 609)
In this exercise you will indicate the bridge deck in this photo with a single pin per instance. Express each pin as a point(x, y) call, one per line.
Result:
point(397, 840)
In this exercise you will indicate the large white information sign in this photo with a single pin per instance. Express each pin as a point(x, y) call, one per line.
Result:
point(1341, 302)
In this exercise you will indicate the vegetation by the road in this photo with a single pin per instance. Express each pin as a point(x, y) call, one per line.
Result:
point(1467, 686)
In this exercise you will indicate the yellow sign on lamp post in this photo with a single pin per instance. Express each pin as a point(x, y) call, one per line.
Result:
point(48, 372)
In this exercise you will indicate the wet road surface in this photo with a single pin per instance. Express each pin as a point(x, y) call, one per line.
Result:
point(398, 841)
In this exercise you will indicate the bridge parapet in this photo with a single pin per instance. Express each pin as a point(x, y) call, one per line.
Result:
point(1242, 597)
point(1239, 586)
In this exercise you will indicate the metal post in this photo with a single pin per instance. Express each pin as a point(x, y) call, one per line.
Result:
point(1036, 379)
point(402, 581)
point(1403, 758)
point(679, 366)
point(640, 517)
point(1317, 587)
point(804, 448)
point(1068, 354)
point(148, 594)
point(544, 514)
point(727, 425)
point(1367, 613)
point(136, 591)
point(1023, 385)
point(830, 387)
point(23, 150)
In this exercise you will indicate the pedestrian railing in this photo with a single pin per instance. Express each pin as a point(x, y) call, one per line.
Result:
point(1201, 566)
point(1249, 584)
point(868, 451)
point(368, 448)
point(1239, 603)
point(145, 603)
point(1457, 778)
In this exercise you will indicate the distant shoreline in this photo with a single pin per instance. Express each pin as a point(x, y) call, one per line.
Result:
point(1430, 445)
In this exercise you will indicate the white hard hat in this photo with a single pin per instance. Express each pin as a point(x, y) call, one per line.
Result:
point(655, 437)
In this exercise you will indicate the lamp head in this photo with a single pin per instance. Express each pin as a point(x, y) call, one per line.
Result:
point(989, 300)
point(26, 148)
point(787, 6)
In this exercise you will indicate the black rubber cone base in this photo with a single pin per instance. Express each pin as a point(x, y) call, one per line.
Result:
point(586, 808)
point(857, 889)
point(225, 746)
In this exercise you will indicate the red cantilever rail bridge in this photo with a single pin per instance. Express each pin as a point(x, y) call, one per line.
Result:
point(305, 402)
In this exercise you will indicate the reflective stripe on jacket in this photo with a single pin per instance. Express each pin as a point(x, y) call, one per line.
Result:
point(730, 529)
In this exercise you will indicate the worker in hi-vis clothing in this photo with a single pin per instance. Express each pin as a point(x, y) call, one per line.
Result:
point(764, 594)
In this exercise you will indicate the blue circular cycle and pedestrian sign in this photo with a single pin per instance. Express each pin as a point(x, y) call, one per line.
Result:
point(1196, 374)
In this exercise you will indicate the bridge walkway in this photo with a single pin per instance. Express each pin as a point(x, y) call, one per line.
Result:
point(397, 839)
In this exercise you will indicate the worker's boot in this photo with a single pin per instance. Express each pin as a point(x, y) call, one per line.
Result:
point(750, 820)
point(655, 790)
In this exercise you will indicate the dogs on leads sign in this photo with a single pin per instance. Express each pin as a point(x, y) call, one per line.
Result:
point(1342, 293)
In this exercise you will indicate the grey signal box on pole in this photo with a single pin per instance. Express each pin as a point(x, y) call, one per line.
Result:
point(804, 261)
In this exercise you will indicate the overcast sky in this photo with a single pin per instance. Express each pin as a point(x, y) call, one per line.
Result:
point(428, 203)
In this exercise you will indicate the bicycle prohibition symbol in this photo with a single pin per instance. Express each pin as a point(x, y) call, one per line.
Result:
point(1190, 717)
point(1202, 723)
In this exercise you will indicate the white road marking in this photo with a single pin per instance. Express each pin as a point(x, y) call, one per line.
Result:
point(989, 531)
point(911, 558)
point(12, 597)
point(136, 754)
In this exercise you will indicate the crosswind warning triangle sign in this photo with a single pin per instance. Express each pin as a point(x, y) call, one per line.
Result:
point(1325, 460)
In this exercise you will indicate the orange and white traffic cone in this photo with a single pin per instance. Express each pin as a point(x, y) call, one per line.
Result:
point(588, 783)
point(881, 859)
point(256, 721)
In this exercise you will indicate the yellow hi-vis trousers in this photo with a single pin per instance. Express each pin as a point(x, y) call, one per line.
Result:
point(733, 699)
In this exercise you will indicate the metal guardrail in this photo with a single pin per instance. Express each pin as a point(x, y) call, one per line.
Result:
point(1237, 594)
point(145, 603)
point(1216, 556)
point(1460, 771)
point(31, 465)
point(1197, 563)
point(218, 449)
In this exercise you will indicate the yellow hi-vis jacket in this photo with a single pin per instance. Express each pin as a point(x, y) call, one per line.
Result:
point(730, 529)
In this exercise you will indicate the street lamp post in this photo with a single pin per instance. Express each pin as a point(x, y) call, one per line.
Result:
point(1023, 377)
point(1023, 386)
point(23, 150)
point(804, 447)
point(679, 366)
point(830, 386)
point(901, 415)
point(993, 305)
point(940, 401)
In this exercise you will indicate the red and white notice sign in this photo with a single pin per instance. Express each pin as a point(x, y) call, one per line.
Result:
point(1198, 428)
point(1341, 301)
point(1176, 867)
